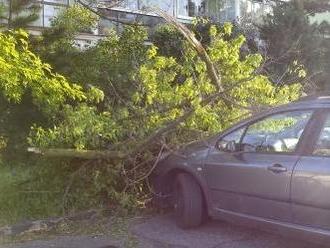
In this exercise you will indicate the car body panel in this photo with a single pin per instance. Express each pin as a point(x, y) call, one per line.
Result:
point(242, 182)
point(189, 159)
point(310, 192)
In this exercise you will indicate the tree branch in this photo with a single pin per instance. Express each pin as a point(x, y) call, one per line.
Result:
point(73, 153)
point(196, 44)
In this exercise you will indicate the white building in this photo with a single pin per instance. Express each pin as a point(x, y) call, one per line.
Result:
point(183, 10)
point(49, 9)
point(134, 10)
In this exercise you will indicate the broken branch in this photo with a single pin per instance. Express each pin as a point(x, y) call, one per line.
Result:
point(73, 153)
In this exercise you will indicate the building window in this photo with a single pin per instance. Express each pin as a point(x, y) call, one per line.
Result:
point(140, 5)
point(165, 5)
point(254, 9)
point(50, 12)
point(217, 10)
point(221, 10)
point(189, 8)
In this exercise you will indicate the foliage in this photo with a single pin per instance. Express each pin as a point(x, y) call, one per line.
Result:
point(294, 44)
point(145, 88)
point(83, 125)
point(19, 13)
point(74, 20)
point(30, 92)
point(23, 71)
point(168, 40)
point(111, 65)
point(160, 91)
point(57, 45)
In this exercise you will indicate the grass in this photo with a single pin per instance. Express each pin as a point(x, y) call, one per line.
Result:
point(32, 190)
point(35, 191)
point(19, 200)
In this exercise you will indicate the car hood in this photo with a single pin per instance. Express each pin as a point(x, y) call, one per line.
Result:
point(193, 149)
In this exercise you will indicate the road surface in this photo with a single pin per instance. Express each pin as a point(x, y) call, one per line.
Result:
point(161, 232)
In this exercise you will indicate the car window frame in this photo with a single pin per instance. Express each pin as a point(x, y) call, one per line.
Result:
point(314, 133)
point(246, 124)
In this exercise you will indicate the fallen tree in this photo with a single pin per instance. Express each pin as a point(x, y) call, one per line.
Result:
point(74, 153)
point(171, 102)
point(220, 95)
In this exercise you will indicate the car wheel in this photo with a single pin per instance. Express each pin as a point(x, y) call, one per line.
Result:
point(188, 202)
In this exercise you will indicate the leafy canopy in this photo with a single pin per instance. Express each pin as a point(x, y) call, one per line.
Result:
point(145, 89)
point(298, 48)
point(164, 88)
point(22, 71)
point(74, 20)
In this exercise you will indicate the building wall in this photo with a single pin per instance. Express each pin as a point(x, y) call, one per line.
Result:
point(320, 17)
point(183, 10)
point(49, 9)
point(135, 10)
point(217, 10)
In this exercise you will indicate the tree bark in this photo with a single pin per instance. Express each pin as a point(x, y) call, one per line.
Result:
point(299, 4)
point(73, 153)
point(10, 14)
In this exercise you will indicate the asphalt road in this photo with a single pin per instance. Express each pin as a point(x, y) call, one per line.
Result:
point(161, 232)
point(215, 234)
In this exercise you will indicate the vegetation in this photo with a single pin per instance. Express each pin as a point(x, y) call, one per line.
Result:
point(19, 13)
point(147, 93)
point(295, 42)
point(127, 98)
point(30, 92)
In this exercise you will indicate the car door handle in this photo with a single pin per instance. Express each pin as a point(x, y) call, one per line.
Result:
point(277, 168)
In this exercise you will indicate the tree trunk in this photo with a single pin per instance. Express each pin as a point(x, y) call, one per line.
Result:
point(10, 13)
point(83, 154)
point(299, 4)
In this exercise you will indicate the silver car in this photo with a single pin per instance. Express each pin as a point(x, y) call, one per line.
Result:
point(271, 170)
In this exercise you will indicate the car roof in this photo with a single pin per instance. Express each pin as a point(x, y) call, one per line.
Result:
point(307, 102)
point(311, 101)
point(314, 99)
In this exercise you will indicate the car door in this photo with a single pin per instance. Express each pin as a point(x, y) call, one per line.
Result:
point(255, 178)
point(311, 177)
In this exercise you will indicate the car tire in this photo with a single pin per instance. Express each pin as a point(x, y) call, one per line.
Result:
point(188, 202)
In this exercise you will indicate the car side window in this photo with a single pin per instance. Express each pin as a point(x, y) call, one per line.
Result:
point(234, 138)
point(276, 133)
point(322, 146)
